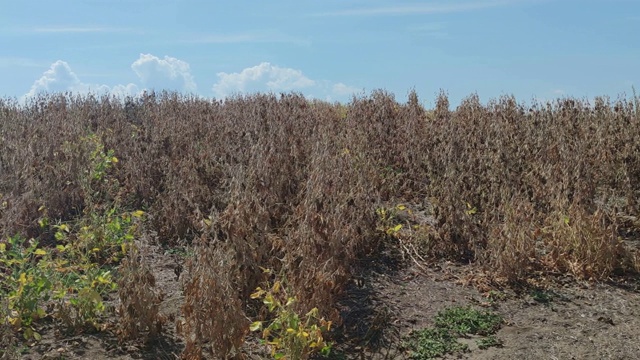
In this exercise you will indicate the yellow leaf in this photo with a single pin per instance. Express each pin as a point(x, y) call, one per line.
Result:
point(290, 331)
point(401, 207)
point(290, 301)
point(14, 321)
point(3, 247)
point(397, 228)
point(40, 252)
point(138, 213)
point(268, 300)
point(276, 287)
point(114, 159)
point(255, 326)
point(23, 278)
point(258, 293)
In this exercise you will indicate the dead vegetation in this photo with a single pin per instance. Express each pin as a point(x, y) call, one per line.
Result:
point(307, 188)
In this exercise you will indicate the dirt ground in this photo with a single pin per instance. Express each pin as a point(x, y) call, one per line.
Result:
point(567, 320)
point(570, 321)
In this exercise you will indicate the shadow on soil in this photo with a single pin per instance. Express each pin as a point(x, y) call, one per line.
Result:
point(367, 322)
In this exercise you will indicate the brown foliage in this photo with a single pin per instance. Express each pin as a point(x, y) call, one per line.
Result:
point(140, 299)
point(290, 184)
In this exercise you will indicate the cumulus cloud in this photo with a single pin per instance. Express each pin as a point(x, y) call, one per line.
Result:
point(164, 74)
point(172, 74)
point(61, 78)
point(342, 90)
point(268, 77)
point(260, 78)
point(153, 73)
point(124, 90)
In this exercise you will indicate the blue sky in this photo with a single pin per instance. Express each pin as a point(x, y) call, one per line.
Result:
point(329, 49)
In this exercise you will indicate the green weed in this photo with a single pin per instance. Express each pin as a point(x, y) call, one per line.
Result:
point(466, 320)
point(289, 335)
point(68, 282)
point(434, 342)
point(450, 324)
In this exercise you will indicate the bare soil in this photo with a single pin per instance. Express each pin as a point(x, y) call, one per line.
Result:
point(565, 319)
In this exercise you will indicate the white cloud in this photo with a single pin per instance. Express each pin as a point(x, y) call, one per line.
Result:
point(79, 29)
point(443, 8)
point(266, 77)
point(124, 90)
point(260, 78)
point(222, 39)
point(154, 73)
point(10, 61)
point(164, 74)
point(246, 37)
point(341, 90)
point(173, 74)
point(435, 30)
point(61, 78)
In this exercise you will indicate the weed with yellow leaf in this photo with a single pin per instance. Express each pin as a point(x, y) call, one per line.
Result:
point(289, 335)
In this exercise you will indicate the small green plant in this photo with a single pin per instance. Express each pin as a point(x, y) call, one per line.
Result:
point(70, 281)
point(434, 342)
point(102, 238)
point(94, 178)
point(541, 296)
point(8, 344)
point(87, 250)
point(388, 219)
point(495, 296)
point(489, 341)
point(466, 320)
point(38, 283)
point(25, 284)
point(289, 335)
point(451, 324)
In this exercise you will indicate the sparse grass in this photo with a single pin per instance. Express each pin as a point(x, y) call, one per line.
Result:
point(451, 324)
point(489, 341)
point(541, 296)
